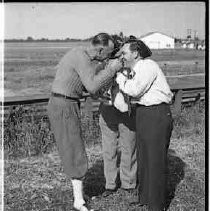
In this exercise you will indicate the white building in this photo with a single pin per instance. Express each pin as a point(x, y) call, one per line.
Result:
point(201, 47)
point(158, 40)
point(188, 44)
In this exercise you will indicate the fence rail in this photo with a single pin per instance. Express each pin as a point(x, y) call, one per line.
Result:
point(186, 88)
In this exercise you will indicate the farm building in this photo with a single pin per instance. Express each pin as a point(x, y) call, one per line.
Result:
point(190, 45)
point(193, 44)
point(157, 40)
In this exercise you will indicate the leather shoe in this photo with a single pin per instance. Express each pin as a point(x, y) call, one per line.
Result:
point(136, 202)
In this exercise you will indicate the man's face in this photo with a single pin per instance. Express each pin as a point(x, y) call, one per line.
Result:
point(127, 55)
point(104, 52)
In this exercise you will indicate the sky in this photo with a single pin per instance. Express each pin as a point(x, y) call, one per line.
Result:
point(85, 19)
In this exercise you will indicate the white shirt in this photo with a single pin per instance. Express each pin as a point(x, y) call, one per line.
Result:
point(149, 84)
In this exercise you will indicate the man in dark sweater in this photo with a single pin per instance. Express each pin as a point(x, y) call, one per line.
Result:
point(77, 72)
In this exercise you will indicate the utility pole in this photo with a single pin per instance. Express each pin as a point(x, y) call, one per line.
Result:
point(195, 34)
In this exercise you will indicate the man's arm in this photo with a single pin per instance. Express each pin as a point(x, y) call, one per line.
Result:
point(94, 81)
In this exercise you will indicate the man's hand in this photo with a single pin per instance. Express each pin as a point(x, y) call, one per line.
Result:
point(115, 64)
point(120, 79)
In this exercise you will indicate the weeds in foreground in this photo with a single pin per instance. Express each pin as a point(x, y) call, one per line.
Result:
point(190, 121)
point(27, 133)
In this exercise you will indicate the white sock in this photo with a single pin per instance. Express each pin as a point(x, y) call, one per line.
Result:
point(78, 193)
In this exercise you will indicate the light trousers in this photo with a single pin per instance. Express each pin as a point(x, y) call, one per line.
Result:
point(115, 124)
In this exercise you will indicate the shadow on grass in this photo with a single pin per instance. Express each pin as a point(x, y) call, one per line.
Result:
point(94, 182)
point(174, 175)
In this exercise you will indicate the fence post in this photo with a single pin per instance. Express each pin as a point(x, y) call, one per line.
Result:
point(178, 102)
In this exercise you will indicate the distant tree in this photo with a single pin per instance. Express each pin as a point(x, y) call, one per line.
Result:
point(44, 39)
point(189, 37)
point(30, 39)
point(177, 40)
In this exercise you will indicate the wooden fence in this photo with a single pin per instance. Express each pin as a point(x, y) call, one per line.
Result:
point(186, 88)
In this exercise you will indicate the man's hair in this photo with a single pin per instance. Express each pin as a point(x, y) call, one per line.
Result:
point(101, 39)
point(140, 47)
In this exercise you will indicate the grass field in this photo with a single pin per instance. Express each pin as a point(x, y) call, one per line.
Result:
point(29, 68)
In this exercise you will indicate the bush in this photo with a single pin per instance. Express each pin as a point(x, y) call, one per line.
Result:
point(27, 132)
point(191, 121)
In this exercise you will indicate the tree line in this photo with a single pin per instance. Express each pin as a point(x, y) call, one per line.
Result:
point(31, 39)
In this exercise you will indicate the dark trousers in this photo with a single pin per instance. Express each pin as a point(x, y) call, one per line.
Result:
point(153, 129)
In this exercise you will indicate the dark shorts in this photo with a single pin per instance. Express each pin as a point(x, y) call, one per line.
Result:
point(65, 122)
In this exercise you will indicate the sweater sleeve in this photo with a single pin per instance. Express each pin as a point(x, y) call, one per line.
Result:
point(92, 80)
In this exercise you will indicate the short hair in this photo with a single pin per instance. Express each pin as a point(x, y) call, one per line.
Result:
point(101, 39)
point(140, 47)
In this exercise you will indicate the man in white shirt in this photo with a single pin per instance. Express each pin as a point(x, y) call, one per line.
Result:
point(153, 121)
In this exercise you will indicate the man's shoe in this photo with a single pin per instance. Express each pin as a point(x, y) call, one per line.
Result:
point(136, 202)
point(108, 192)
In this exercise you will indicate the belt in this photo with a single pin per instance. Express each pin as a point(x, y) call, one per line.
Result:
point(153, 106)
point(65, 97)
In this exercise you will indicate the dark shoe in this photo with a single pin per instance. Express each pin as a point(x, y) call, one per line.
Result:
point(136, 202)
point(108, 192)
